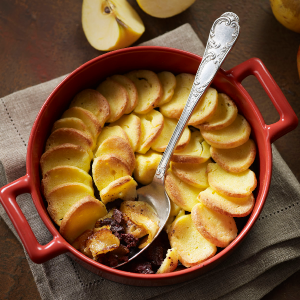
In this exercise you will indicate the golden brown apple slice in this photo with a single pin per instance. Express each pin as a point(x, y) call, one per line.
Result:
point(143, 214)
point(237, 185)
point(196, 152)
point(219, 229)
point(152, 125)
point(191, 246)
point(107, 168)
point(65, 155)
point(117, 97)
point(181, 193)
point(170, 263)
point(80, 217)
point(94, 102)
point(62, 197)
point(149, 90)
point(161, 143)
point(102, 241)
point(131, 124)
point(88, 118)
point(110, 24)
point(70, 136)
point(64, 174)
point(118, 146)
point(131, 90)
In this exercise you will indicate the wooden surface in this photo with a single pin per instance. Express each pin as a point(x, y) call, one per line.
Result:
point(41, 40)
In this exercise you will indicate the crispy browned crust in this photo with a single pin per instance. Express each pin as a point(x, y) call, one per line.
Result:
point(237, 141)
point(69, 136)
point(151, 77)
point(52, 200)
point(67, 149)
point(131, 90)
point(228, 192)
point(86, 202)
point(94, 102)
point(87, 117)
point(218, 157)
point(172, 189)
point(188, 159)
point(232, 113)
point(117, 97)
point(200, 224)
point(75, 123)
point(209, 112)
point(119, 146)
point(239, 210)
point(46, 179)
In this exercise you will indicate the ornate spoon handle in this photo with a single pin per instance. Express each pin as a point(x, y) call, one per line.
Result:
point(222, 37)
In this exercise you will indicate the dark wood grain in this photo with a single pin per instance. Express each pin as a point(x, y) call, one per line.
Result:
point(41, 40)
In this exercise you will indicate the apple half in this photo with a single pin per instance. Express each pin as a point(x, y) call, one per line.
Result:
point(164, 8)
point(110, 24)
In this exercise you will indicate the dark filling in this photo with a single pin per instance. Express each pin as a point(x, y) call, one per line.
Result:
point(147, 262)
point(127, 241)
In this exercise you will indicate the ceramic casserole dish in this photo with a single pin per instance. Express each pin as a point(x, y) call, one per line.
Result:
point(155, 59)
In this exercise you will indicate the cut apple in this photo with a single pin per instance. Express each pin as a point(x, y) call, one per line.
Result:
point(164, 9)
point(110, 24)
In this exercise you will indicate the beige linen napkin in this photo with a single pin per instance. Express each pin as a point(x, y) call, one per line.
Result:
point(268, 255)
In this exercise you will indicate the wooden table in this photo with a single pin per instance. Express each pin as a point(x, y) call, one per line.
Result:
point(41, 40)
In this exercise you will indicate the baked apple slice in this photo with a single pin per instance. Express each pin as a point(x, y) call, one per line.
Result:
point(107, 168)
point(94, 102)
point(80, 217)
point(219, 229)
point(118, 146)
point(237, 185)
point(64, 174)
point(65, 155)
point(181, 193)
point(149, 90)
point(152, 125)
point(62, 197)
point(131, 124)
point(191, 246)
point(117, 97)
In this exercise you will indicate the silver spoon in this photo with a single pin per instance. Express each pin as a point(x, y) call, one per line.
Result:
point(222, 37)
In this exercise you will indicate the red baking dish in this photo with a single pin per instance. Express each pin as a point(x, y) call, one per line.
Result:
point(156, 59)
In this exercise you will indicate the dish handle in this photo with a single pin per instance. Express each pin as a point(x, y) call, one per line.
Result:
point(38, 253)
point(288, 119)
